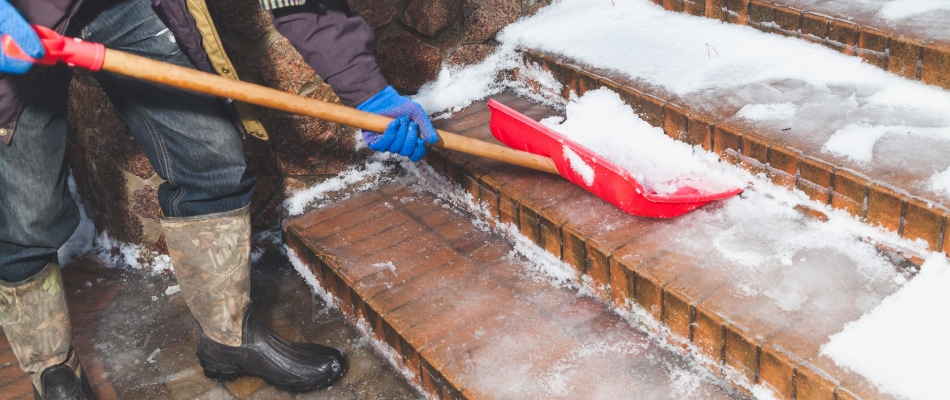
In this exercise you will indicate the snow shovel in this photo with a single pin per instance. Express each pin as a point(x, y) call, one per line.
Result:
point(612, 183)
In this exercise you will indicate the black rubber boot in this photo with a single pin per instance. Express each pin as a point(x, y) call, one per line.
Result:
point(61, 383)
point(290, 366)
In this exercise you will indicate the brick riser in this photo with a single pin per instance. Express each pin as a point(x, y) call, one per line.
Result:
point(912, 58)
point(622, 270)
point(874, 202)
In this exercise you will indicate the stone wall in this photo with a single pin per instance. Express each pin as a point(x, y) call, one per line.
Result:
point(415, 38)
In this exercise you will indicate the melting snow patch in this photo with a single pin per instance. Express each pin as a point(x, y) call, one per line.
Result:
point(172, 290)
point(940, 182)
point(761, 112)
point(902, 345)
point(369, 174)
point(898, 9)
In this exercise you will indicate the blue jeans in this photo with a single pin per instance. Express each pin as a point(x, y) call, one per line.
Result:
point(188, 138)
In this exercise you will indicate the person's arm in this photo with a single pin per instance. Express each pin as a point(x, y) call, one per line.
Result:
point(338, 44)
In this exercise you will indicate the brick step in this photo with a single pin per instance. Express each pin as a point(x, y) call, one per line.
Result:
point(908, 47)
point(668, 269)
point(463, 316)
point(892, 197)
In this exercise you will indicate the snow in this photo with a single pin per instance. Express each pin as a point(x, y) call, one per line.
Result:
point(600, 121)
point(899, 9)
point(367, 174)
point(902, 345)
point(760, 112)
point(579, 166)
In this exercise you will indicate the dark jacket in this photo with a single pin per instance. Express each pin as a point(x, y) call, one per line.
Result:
point(335, 41)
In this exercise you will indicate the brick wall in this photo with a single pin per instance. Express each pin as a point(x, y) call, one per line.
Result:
point(414, 39)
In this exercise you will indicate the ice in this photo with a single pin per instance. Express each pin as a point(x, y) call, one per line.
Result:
point(759, 112)
point(899, 9)
point(902, 345)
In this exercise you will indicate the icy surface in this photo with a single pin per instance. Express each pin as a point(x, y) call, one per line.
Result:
point(902, 345)
point(921, 19)
point(728, 68)
point(600, 121)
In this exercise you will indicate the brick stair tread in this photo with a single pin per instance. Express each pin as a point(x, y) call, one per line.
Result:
point(912, 47)
point(686, 286)
point(464, 312)
point(889, 192)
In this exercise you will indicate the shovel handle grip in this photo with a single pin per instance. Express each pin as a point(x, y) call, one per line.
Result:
point(202, 82)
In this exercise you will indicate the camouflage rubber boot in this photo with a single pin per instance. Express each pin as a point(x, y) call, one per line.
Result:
point(36, 321)
point(211, 258)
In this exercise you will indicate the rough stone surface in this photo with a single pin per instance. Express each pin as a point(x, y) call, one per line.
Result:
point(430, 16)
point(484, 18)
point(282, 67)
point(470, 54)
point(406, 61)
point(241, 18)
point(100, 150)
point(377, 13)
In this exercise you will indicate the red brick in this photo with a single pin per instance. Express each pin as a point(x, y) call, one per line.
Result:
point(587, 81)
point(651, 110)
point(885, 207)
point(652, 271)
point(843, 36)
point(676, 123)
point(761, 15)
point(737, 11)
point(621, 284)
point(872, 46)
point(755, 153)
point(677, 313)
point(631, 96)
point(784, 165)
point(333, 210)
point(568, 74)
point(777, 371)
point(815, 179)
point(404, 291)
point(904, 57)
point(935, 69)
point(815, 27)
point(849, 192)
point(674, 5)
point(726, 143)
point(709, 334)
point(695, 7)
point(814, 384)
point(715, 9)
point(700, 131)
point(925, 220)
point(788, 21)
point(742, 351)
point(431, 315)
point(604, 242)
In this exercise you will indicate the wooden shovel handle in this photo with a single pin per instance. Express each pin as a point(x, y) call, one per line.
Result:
point(202, 82)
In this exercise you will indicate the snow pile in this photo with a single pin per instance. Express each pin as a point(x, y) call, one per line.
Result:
point(600, 121)
point(367, 175)
point(902, 345)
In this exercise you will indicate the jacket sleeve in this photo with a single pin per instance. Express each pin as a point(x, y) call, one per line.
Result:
point(337, 43)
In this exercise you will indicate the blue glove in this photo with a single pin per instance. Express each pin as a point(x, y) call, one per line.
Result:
point(13, 24)
point(402, 136)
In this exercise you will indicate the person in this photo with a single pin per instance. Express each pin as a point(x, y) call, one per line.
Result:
point(194, 143)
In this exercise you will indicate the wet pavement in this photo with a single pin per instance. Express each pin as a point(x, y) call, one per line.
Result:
point(137, 342)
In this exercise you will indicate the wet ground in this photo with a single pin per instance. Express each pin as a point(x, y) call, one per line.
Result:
point(137, 342)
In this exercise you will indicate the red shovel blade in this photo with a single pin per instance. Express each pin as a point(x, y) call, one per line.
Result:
point(590, 171)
